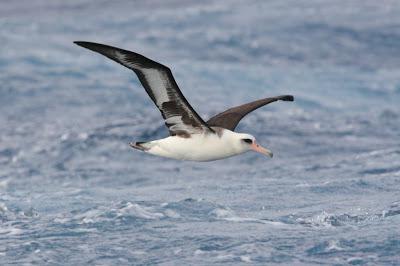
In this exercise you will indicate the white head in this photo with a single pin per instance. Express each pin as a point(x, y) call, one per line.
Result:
point(246, 142)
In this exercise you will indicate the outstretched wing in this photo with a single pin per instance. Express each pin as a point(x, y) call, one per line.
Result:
point(231, 117)
point(159, 83)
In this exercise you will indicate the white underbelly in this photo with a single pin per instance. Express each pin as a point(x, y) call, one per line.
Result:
point(196, 148)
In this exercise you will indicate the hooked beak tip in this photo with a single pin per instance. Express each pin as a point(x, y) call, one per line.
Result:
point(262, 150)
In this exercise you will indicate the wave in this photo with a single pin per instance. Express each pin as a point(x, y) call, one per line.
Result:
point(325, 219)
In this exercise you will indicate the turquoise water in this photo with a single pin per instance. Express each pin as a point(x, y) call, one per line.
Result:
point(72, 191)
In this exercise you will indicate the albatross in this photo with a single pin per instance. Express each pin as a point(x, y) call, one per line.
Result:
point(190, 137)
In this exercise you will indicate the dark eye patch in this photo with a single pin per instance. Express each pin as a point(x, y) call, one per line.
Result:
point(249, 141)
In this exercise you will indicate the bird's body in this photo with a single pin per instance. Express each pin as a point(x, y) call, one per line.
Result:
point(191, 138)
point(199, 147)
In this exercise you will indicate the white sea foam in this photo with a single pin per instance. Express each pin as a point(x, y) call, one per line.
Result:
point(136, 210)
point(4, 183)
point(3, 207)
point(245, 259)
point(229, 215)
point(10, 230)
point(334, 245)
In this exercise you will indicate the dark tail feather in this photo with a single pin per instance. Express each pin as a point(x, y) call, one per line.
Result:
point(138, 145)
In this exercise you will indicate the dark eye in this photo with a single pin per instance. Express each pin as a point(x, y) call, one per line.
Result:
point(249, 141)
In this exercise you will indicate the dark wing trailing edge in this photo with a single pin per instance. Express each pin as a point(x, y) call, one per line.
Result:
point(159, 83)
point(231, 117)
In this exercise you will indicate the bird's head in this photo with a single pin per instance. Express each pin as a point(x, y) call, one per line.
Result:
point(247, 142)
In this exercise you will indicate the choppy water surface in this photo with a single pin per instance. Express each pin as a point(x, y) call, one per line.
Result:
point(72, 192)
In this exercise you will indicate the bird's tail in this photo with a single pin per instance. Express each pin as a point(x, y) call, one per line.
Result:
point(143, 146)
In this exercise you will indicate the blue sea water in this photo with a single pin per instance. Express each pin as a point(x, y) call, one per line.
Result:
point(72, 192)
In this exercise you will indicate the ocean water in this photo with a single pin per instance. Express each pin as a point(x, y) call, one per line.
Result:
point(72, 192)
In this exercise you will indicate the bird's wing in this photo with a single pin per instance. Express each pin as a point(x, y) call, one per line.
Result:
point(159, 83)
point(231, 117)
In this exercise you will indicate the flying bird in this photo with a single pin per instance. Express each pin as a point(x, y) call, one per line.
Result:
point(191, 138)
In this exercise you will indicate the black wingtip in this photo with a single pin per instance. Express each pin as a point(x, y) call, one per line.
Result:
point(288, 98)
point(78, 43)
point(103, 49)
point(84, 44)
